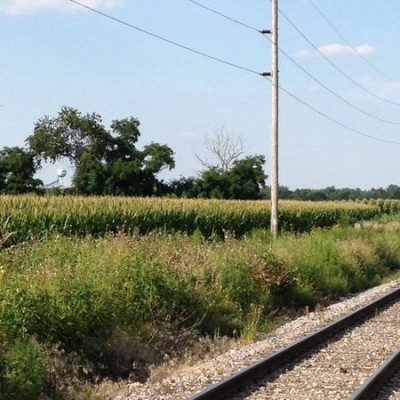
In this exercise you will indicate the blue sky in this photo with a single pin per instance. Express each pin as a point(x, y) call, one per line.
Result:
point(55, 53)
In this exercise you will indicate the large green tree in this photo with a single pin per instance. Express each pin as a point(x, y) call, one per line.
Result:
point(69, 135)
point(17, 170)
point(247, 177)
point(105, 161)
point(244, 180)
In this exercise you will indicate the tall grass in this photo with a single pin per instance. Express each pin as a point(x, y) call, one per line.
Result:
point(84, 294)
point(111, 280)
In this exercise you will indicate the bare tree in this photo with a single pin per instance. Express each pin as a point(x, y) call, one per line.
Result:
point(224, 147)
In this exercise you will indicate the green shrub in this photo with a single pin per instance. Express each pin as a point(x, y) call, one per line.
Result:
point(75, 293)
point(22, 371)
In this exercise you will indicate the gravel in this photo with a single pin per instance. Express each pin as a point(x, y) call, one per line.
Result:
point(336, 370)
point(184, 381)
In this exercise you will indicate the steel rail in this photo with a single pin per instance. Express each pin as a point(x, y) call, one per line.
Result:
point(299, 348)
point(378, 379)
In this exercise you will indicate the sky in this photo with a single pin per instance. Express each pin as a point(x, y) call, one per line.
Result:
point(339, 108)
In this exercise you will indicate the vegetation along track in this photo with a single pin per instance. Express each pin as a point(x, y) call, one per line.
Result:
point(328, 364)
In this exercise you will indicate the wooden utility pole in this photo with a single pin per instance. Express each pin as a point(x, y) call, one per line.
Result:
point(274, 122)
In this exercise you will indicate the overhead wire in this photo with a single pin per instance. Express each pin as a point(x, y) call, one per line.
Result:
point(335, 121)
point(245, 25)
point(327, 20)
point(197, 3)
point(368, 114)
point(348, 77)
point(332, 92)
point(229, 64)
point(176, 44)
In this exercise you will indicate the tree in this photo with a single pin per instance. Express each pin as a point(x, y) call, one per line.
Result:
point(393, 192)
point(228, 176)
point(158, 157)
point(243, 181)
point(17, 170)
point(247, 178)
point(90, 175)
point(224, 147)
point(69, 135)
point(106, 162)
point(184, 187)
point(214, 183)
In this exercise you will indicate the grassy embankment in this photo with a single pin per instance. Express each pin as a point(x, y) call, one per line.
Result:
point(78, 307)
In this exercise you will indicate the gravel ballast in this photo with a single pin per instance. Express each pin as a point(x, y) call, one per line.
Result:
point(380, 337)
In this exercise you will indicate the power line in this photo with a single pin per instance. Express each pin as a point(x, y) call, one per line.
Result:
point(312, 77)
point(224, 16)
point(232, 65)
point(350, 45)
point(333, 64)
point(176, 44)
point(296, 63)
point(335, 121)
point(335, 94)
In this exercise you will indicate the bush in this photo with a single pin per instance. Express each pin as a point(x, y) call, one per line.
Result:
point(76, 293)
point(23, 371)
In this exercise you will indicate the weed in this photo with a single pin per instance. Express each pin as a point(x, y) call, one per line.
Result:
point(23, 371)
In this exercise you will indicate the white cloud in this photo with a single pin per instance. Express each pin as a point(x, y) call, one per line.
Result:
point(336, 49)
point(303, 53)
point(19, 7)
point(384, 89)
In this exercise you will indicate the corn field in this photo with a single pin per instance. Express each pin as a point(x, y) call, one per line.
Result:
point(33, 217)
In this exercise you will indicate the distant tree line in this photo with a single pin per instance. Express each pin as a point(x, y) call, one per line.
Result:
point(332, 193)
point(108, 162)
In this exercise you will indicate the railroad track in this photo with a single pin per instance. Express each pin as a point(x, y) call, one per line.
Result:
point(330, 363)
point(383, 383)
